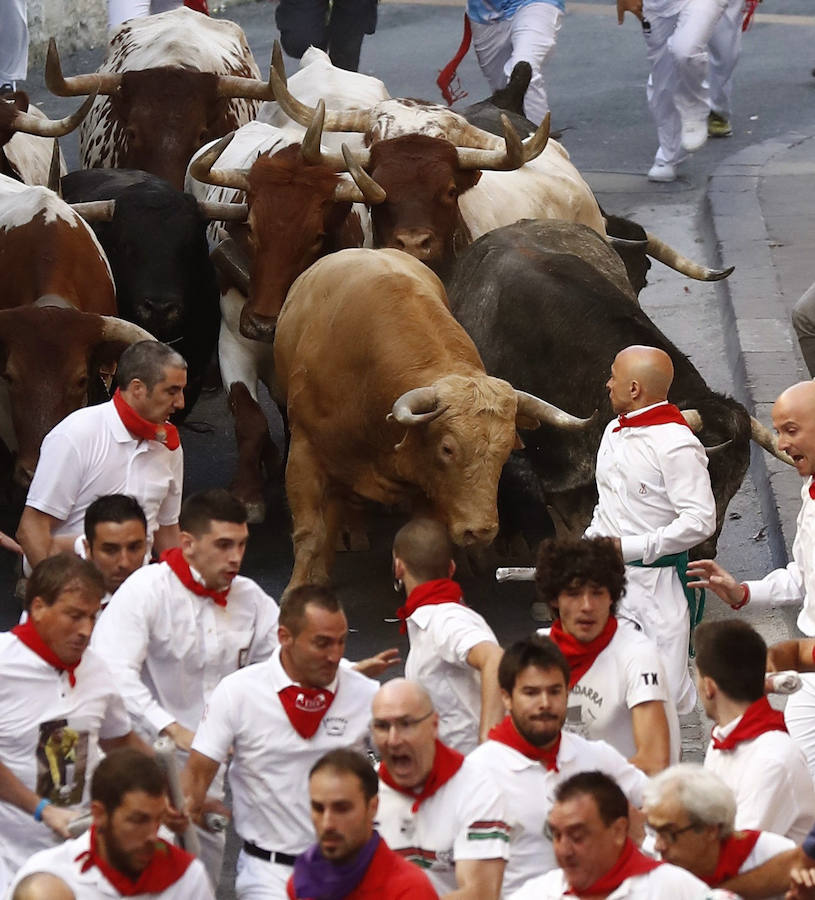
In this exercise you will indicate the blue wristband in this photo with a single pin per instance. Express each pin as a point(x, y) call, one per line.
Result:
point(40, 807)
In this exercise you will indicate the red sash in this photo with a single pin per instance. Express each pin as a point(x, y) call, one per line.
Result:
point(631, 862)
point(305, 707)
point(166, 866)
point(29, 635)
point(446, 763)
point(581, 656)
point(197, 6)
point(664, 414)
point(449, 71)
point(812, 488)
point(175, 560)
point(139, 427)
point(506, 733)
point(759, 717)
point(431, 593)
point(734, 852)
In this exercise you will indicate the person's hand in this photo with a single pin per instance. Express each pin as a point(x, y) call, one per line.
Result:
point(8, 543)
point(632, 6)
point(176, 820)
point(58, 819)
point(802, 885)
point(182, 737)
point(214, 805)
point(376, 665)
point(711, 576)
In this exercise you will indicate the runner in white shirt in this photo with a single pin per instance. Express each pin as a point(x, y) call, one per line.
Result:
point(454, 653)
point(750, 749)
point(435, 808)
point(655, 500)
point(279, 717)
point(528, 754)
point(59, 708)
point(691, 813)
point(173, 630)
point(120, 447)
point(617, 684)
point(121, 855)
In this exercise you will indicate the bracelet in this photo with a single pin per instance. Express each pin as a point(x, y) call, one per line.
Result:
point(40, 807)
point(745, 596)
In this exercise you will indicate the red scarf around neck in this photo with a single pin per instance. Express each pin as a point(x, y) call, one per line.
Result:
point(664, 414)
point(305, 707)
point(631, 862)
point(758, 718)
point(181, 568)
point(29, 635)
point(812, 488)
point(581, 656)
point(506, 733)
point(446, 763)
point(139, 427)
point(431, 593)
point(167, 865)
point(734, 851)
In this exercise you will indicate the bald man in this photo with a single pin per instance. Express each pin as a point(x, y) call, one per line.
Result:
point(655, 499)
point(794, 420)
point(42, 886)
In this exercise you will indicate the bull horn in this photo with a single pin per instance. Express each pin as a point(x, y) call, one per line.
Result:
point(115, 329)
point(310, 148)
point(223, 212)
point(693, 418)
point(54, 183)
point(54, 128)
point(547, 413)
point(231, 262)
point(515, 152)
point(766, 439)
point(302, 113)
point(77, 85)
point(717, 448)
point(95, 210)
point(666, 254)
point(372, 193)
point(237, 87)
point(201, 167)
point(277, 61)
point(618, 243)
point(416, 406)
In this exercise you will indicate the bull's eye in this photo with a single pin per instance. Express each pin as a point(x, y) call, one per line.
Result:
point(452, 192)
point(82, 382)
point(447, 451)
point(7, 377)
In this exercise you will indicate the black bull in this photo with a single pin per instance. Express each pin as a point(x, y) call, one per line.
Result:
point(551, 324)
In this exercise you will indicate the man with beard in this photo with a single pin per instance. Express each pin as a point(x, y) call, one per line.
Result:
point(122, 855)
point(528, 754)
point(350, 861)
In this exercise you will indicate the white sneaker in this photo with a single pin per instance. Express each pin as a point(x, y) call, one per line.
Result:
point(694, 135)
point(662, 171)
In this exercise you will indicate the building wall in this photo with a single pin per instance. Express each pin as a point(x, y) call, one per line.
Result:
point(85, 26)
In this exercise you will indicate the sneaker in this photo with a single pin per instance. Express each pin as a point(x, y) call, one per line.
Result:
point(661, 171)
point(694, 135)
point(718, 126)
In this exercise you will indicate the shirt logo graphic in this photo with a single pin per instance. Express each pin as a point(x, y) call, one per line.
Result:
point(643, 489)
point(335, 725)
point(310, 704)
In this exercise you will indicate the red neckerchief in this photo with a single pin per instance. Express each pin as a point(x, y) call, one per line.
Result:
point(446, 763)
point(197, 6)
point(29, 635)
point(734, 851)
point(581, 656)
point(305, 707)
point(631, 862)
point(506, 733)
point(449, 71)
point(166, 866)
point(663, 414)
point(431, 593)
point(139, 427)
point(758, 718)
point(181, 569)
point(812, 488)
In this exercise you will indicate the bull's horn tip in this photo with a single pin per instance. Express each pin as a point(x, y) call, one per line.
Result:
point(719, 274)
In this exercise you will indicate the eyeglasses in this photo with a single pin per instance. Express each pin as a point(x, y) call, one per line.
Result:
point(668, 833)
point(403, 725)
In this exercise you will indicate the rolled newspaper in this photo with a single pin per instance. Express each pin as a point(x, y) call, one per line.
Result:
point(165, 757)
point(515, 573)
point(787, 682)
point(80, 825)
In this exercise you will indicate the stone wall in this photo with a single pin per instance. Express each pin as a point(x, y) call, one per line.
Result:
point(76, 24)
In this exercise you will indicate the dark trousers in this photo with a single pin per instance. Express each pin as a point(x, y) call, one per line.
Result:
point(337, 27)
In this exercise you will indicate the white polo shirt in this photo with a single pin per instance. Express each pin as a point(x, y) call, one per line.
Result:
point(168, 647)
point(771, 781)
point(465, 819)
point(269, 770)
point(529, 793)
point(441, 637)
point(35, 699)
point(92, 884)
point(91, 453)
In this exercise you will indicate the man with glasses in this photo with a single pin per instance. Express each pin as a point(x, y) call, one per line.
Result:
point(436, 808)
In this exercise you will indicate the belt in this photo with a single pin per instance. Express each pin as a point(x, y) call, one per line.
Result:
point(284, 859)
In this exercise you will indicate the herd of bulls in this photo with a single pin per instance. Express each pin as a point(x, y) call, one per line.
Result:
point(216, 208)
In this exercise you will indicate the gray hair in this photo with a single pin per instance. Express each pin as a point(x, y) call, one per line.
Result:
point(704, 796)
point(147, 361)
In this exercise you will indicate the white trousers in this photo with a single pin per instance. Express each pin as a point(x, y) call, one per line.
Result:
point(677, 86)
point(724, 50)
point(799, 714)
point(13, 40)
point(121, 10)
point(261, 880)
point(529, 35)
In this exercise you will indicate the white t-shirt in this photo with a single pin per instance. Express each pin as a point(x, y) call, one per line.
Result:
point(465, 819)
point(626, 673)
point(168, 648)
point(92, 884)
point(269, 769)
point(90, 454)
point(441, 637)
point(49, 736)
point(529, 793)
point(771, 781)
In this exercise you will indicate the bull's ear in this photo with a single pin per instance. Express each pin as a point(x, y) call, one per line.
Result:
point(527, 423)
point(467, 178)
point(519, 444)
point(102, 364)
